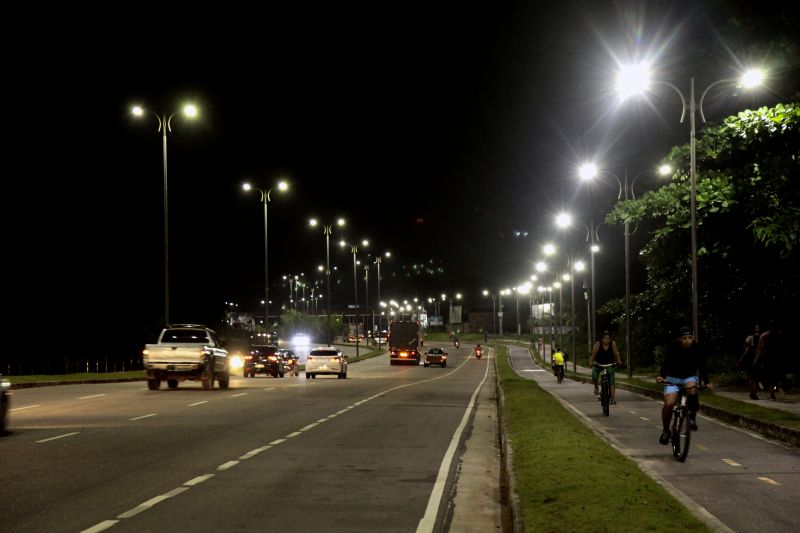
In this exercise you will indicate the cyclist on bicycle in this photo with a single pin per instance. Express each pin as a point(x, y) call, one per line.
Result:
point(558, 360)
point(683, 364)
point(604, 352)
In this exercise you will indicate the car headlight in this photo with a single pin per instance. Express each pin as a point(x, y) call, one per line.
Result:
point(237, 362)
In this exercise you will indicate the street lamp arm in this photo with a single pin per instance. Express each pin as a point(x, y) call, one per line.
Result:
point(703, 96)
point(680, 95)
point(619, 182)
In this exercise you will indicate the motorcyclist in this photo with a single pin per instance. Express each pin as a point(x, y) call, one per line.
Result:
point(455, 341)
point(478, 351)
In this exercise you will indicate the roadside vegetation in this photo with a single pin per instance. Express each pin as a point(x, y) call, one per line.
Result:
point(568, 478)
point(83, 376)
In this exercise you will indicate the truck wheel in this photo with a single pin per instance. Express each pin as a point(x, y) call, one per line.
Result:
point(208, 380)
point(224, 380)
point(172, 383)
point(153, 383)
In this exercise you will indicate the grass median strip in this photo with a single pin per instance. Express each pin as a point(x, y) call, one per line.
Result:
point(568, 478)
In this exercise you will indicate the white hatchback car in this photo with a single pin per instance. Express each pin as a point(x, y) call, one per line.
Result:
point(326, 360)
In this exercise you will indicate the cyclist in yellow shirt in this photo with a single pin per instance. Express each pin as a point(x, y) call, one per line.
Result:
point(558, 364)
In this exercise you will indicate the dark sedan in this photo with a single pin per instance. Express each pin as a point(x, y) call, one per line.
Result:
point(264, 360)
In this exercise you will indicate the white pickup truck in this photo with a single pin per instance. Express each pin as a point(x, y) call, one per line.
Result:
point(186, 352)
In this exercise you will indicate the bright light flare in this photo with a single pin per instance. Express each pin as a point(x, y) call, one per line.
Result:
point(549, 249)
point(137, 110)
point(282, 186)
point(541, 266)
point(564, 220)
point(595, 248)
point(237, 362)
point(580, 266)
point(633, 80)
point(313, 222)
point(190, 110)
point(246, 186)
point(665, 170)
point(587, 171)
point(752, 78)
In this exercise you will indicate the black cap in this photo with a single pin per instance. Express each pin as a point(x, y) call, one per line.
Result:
point(684, 331)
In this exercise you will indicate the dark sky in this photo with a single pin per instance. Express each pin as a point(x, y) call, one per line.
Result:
point(436, 131)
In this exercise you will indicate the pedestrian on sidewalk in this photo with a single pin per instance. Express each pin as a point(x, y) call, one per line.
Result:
point(605, 352)
point(770, 355)
point(747, 361)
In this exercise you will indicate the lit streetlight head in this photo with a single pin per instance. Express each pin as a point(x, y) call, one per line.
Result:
point(313, 222)
point(752, 78)
point(587, 171)
point(190, 110)
point(563, 220)
point(665, 170)
point(388, 254)
point(342, 244)
point(566, 277)
point(549, 249)
point(557, 285)
point(246, 186)
point(485, 292)
point(282, 186)
point(595, 248)
point(633, 80)
point(137, 110)
point(458, 296)
point(444, 296)
point(580, 266)
point(534, 277)
point(541, 266)
point(365, 242)
point(320, 268)
point(340, 222)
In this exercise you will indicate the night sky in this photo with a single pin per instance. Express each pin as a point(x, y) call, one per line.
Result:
point(437, 132)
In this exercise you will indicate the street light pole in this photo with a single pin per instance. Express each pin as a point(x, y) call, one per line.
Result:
point(265, 198)
point(164, 125)
point(635, 79)
point(327, 230)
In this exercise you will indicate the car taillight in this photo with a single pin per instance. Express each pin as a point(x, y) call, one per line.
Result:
point(248, 357)
point(272, 358)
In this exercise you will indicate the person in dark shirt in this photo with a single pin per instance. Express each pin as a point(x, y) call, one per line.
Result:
point(683, 364)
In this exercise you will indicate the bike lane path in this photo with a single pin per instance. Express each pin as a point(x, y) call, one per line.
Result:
point(733, 479)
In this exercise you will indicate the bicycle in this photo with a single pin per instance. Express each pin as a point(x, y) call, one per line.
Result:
point(605, 387)
point(680, 431)
point(558, 370)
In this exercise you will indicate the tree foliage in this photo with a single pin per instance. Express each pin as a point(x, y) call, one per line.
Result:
point(748, 229)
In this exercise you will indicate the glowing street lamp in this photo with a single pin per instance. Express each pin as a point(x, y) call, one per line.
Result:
point(327, 230)
point(164, 125)
point(636, 80)
point(265, 198)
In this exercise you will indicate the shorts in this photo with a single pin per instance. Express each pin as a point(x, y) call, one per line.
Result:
point(612, 371)
point(671, 386)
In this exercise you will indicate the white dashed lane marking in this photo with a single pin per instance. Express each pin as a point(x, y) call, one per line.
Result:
point(293, 435)
point(143, 416)
point(240, 394)
point(276, 442)
point(92, 396)
point(644, 418)
point(151, 502)
point(315, 424)
point(102, 526)
point(197, 403)
point(198, 480)
point(229, 464)
point(26, 407)
point(769, 481)
point(59, 437)
point(731, 462)
point(253, 453)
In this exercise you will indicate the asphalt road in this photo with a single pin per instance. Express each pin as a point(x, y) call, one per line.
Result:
point(736, 480)
point(369, 453)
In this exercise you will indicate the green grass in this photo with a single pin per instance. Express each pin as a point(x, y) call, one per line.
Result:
point(568, 479)
point(76, 377)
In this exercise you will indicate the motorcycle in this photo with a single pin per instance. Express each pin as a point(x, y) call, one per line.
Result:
point(477, 353)
point(456, 343)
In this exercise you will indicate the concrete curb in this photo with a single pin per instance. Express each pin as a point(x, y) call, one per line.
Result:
point(509, 478)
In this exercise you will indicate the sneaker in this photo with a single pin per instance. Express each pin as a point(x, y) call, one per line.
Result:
point(664, 438)
point(692, 423)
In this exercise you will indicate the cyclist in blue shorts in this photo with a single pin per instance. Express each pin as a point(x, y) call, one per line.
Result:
point(683, 364)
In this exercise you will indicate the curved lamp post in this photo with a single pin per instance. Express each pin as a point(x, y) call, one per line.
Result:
point(327, 230)
point(265, 198)
point(636, 79)
point(165, 125)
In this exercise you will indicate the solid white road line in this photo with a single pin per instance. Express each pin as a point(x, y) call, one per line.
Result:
point(26, 407)
point(92, 396)
point(144, 416)
point(428, 521)
point(59, 437)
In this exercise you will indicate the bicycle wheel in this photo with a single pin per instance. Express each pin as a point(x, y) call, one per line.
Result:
point(681, 435)
point(605, 395)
